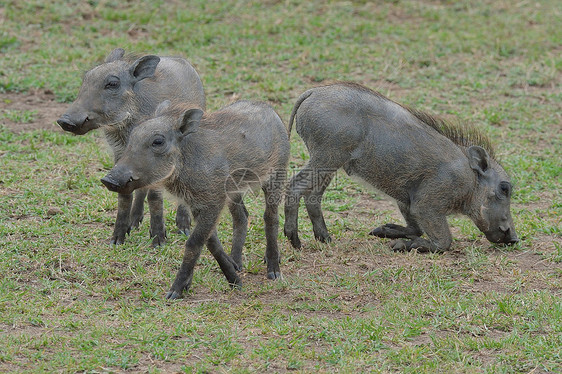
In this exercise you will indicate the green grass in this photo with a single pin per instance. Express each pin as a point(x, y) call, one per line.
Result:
point(18, 116)
point(70, 302)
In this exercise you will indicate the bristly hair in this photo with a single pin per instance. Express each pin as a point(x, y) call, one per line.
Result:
point(178, 108)
point(133, 56)
point(460, 133)
point(128, 57)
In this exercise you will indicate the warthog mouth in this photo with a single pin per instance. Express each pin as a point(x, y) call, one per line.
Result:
point(502, 237)
point(121, 122)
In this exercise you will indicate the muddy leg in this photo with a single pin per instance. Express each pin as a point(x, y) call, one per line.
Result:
point(137, 211)
point(183, 219)
point(239, 229)
point(227, 265)
point(157, 224)
point(313, 201)
point(206, 222)
point(122, 223)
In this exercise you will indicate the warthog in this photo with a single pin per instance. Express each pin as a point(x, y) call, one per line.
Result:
point(432, 168)
point(209, 161)
point(118, 94)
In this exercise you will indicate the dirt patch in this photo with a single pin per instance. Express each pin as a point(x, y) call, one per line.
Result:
point(46, 110)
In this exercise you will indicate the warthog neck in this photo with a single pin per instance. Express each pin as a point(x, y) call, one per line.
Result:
point(117, 135)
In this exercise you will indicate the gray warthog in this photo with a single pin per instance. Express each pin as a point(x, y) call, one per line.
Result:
point(119, 93)
point(209, 161)
point(432, 168)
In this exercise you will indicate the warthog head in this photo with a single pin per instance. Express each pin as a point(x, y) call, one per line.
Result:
point(153, 151)
point(491, 200)
point(107, 95)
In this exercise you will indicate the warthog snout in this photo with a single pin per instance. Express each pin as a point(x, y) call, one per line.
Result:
point(66, 124)
point(119, 181)
point(73, 125)
point(504, 235)
point(510, 237)
point(111, 183)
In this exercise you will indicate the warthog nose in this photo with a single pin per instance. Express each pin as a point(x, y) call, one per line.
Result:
point(509, 238)
point(110, 183)
point(512, 240)
point(66, 124)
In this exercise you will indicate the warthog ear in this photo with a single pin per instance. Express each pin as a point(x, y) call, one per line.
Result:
point(161, 108)
point(478, 159)
point(189, 122)
point(144, 67)
point(115, 55)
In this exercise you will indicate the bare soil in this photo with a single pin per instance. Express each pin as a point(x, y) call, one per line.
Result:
point(42, 102)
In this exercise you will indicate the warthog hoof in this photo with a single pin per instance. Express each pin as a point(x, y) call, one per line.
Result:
point(399, 245)
point(323, 238)
point(236, 284)
point(173, 295)
point(276, 274)
point(118, 238)
point(158, 240)
point(237, 264)
point(379, 232)
point(117, 241)
point(183, 220)
point(136, 220)
point(419, 244)
point(293, 237)
point(184, 230)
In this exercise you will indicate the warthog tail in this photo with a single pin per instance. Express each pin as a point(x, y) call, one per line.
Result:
point(302, 98)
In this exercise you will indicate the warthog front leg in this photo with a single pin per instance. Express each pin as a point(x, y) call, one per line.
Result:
point(392, 231)
point(137, 210)
point(239, 229)
point(227, 264)
point(183, 219)
point(271, 219)
point(434, 225)
point(204, 232)
point(123, 222)
point(157, 225)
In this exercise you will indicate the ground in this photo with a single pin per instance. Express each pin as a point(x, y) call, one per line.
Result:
point(309, 289)
point(70, 302)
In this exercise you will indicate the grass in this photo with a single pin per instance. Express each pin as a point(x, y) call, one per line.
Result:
point(18, 116)
point(69, 302)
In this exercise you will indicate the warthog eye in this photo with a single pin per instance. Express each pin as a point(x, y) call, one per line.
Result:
point(113, 83)
point(157, 142)
point(504, 189)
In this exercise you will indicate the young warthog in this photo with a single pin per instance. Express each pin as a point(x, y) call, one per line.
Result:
point(208, 161)
point(430, 167)
point(118, 94)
